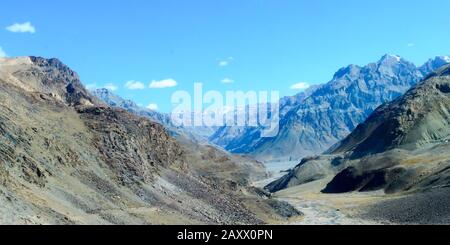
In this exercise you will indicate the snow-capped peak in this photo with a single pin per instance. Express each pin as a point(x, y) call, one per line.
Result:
point(390, 57)
point(396, 57)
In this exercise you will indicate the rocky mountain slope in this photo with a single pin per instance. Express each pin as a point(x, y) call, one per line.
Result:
point(240, 169)
point(195, 134)
point(418, 118)
point(114, 100)
point(403, 147)
point(330, 112)
point(68, 158)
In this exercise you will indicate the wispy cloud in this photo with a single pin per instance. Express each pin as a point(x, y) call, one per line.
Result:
point(227, 81)
point(134, 85)
point(2, 52)
point(225, 62)
point(26, 27)
point(410, 45)
point(166, 83)
point(152, 107)
point(300, 86)
point(111, 86)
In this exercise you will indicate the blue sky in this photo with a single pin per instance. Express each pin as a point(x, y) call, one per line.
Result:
point(249, 44)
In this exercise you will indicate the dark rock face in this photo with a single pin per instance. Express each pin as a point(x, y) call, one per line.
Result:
point(60, 80)
point(135, 147)
point(315, 122)
point(350, 180)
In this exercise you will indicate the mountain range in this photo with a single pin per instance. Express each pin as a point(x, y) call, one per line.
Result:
point(313, 121)
point(73, 156)
point(403, 146)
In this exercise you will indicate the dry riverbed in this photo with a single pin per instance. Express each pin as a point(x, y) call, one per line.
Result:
point(325, 209)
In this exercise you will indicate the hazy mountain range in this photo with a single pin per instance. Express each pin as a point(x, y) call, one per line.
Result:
point(313, 121)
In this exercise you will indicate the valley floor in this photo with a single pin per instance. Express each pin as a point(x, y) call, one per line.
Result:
point(325, 209)
point(365, 208)
point(372, 208)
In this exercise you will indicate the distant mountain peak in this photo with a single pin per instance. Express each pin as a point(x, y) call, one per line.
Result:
point(349, 70)
point(389, 58)
point(112, 99)
point(434, 64)
point(103, 90)
point(444, 57)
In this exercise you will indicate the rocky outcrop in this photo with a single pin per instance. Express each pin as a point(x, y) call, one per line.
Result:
point(135, 147)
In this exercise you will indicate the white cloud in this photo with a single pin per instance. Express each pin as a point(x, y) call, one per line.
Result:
point(134, 85)
point(223, 63)
point(21, 28)
point(166, 83)
point(152, 107)
point(111, 87)
point(300, 86)
point(227, 81)
point(410, 45)
point(2, 53)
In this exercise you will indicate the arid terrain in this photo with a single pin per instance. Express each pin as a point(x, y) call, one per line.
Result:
point(367, 208)
point(68, 158)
